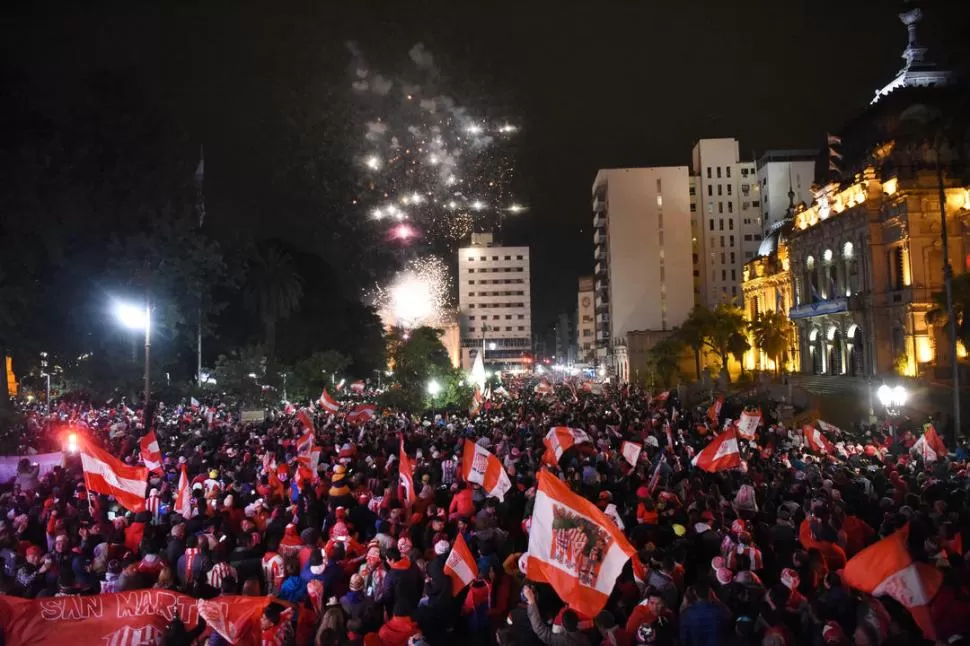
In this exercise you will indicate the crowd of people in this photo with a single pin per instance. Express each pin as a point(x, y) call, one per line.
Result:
point(749, 555)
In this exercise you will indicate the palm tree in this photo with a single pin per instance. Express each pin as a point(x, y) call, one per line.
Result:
point(771, 332)
point(693, 332)
point(738, 345)
point(273, 291)
point(726, 322)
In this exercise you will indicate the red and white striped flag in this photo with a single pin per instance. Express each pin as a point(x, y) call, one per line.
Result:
point(480, 467)
point(357, 387)
point(929, 446)
point(194, 403)
point(304, 446)
point(574, 546)
point(748, 424)
point(183, 496)
point(559, 439)
point(406, 477)
point(886, 568)
point(327, 402)
point(303, 415)
point(721, 454)
point(816, 441)
point(362, 414)
point(151, 455)
point(631, 452)
point(460, 566)
point(105, 474)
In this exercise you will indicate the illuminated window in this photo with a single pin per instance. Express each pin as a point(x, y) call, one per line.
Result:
point(827, 255)
point(847, 250)
point(810, 262)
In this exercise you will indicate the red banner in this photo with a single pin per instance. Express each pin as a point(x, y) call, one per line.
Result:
point(137, 618)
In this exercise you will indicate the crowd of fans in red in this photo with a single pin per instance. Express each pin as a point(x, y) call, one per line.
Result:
point(746, 556)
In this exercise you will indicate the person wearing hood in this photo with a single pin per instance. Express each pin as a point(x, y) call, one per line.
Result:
point(399, 629)
point(291, 543)
point(403, 582)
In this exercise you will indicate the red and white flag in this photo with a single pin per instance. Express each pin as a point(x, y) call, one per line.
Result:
point(748, 424)
point(559, 439)
point(303, 415)
point(194, 403)
point(406, 477)
point(714, 410)
point(105, 474)
point(362, 414)
point(357, 387)
point(304, 446)
point(722, 453)
point(631, 452)
point(476, 404)
point(183, 496)
point(816, 441)
point(886, 568)
point(828, 428)
point(480, 467)
point(151, 455)
point(929, 446)
point(327, 402)
point(574, 546)
point(460, 566)
point(662, 397)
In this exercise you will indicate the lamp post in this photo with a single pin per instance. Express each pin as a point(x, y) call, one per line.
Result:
point(893, 399)
point(45, 372)
point(137, 318)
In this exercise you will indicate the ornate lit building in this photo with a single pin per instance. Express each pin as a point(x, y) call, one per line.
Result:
point(866, 259)
point(767, 287)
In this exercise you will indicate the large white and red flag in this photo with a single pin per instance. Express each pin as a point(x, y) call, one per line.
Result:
point(151, 455)
point(304, 447)
point(362, 414)
point(722, 453)
point(406, 477)
point(574, 546)
point(929, 446)
point(480, 467)
point(559, 439)
point(183, 496)
point(460, 566)
point(327, 402)
point(476, 404)
point(105, 474)
point(886, 568)
point(816, 441)
point(714, 410)
point(303, 415)
point(748, 424)
point(828, 428)
point(357, 387)
point(631, 452)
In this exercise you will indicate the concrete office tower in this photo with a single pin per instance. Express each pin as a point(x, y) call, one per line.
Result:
point(495, 304)
point(777, 171)
point(643, 276)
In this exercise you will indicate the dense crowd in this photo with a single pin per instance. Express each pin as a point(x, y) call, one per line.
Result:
point(743, 556)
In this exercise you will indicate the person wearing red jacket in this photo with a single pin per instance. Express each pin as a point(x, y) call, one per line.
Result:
point(399, 628)
point(462, 505)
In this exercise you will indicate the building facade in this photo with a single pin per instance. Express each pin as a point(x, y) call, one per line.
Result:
point(642, 250)
point(495, 303)
point(779, 171)
point(726, 219)
point(586, 322)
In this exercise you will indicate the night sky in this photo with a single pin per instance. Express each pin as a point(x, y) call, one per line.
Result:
point(593, 84)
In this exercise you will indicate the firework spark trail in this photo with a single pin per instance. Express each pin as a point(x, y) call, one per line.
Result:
point(418, 295)
point(426, 158)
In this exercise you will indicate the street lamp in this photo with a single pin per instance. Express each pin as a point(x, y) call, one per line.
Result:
point(434, 388)
point(138, 318)
point(45, 372)
point(893, 399)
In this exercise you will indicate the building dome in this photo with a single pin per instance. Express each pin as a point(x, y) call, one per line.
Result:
point(776, 236)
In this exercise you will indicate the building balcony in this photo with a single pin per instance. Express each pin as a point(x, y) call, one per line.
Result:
point(602, 336)
point(602, 304)
point(599, 220)
point(599, 252)
point(600, 269)
point(819, 308)
point(603, 318)
point(599, 237)
point(599, 205)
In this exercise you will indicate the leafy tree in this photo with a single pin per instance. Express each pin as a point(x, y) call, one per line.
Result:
point(663, 360)
point(694, 331)
point(726, 322)
point(938, 317)
point(771, 333)
point(273, 291)
point(738, 345)
point(419, 357)
point(234, 373)
point(307, 378)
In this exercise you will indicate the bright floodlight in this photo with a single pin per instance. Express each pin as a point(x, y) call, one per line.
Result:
point(373, 162)
point(71, 446)
point(434, 388)
point(491, 345)
point(885, 394)
point(899, 396)
point(135, 318)
point(892, 398)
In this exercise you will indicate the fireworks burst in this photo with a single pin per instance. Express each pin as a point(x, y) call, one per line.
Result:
point(418, 295)
point(427, 159)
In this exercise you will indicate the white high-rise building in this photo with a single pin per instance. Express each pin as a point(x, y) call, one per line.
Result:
point(642, 242)
point(726, 219)
point(495, 303)
point(585, 321)
point(779, 170)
